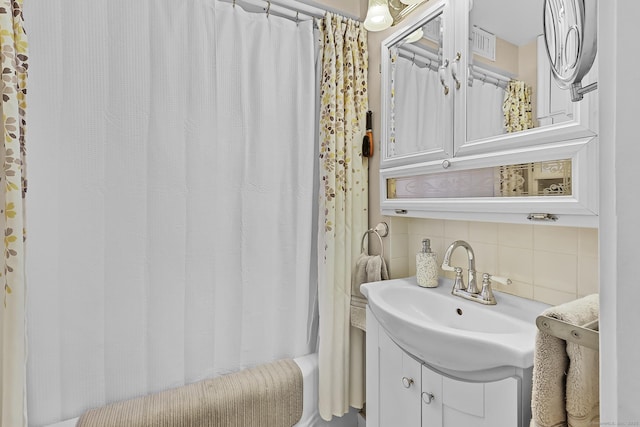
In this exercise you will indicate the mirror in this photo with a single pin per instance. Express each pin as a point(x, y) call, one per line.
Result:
point(536, 179)
point(417, 94)
point(503, 68)
point(472, 76)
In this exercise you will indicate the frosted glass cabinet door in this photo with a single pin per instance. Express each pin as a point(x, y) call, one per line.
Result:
point(400, 381)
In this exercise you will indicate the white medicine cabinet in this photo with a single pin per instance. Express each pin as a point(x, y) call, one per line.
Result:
point(473, 124)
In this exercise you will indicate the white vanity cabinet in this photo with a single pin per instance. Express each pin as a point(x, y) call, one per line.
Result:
point(447, 150)
point(452, 403)
point(402, 391)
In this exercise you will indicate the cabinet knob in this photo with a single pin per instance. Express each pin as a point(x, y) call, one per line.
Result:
point(406, 382)
point(427, 397)
point(446, 164)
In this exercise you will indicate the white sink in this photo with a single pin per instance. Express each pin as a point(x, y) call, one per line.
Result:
point(451, 333)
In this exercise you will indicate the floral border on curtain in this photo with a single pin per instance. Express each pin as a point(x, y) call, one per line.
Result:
point(14, 90)
point(343, 210)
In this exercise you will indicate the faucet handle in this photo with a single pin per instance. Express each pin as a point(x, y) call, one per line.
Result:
point(458, 284)
point(446, 267)
point(487, 293)
point(499, 279)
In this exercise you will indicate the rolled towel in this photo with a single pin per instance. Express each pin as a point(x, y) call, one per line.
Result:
point(565, 374)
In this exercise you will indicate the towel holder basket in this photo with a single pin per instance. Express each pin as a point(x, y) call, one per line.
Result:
point(381, 230)
point(586, 335)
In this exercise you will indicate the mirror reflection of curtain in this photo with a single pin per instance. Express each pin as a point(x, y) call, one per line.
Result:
point(417, 108)
point(173, 197)
point(484, 110)
point(517, 107)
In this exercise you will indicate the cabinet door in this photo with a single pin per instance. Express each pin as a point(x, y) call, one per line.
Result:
point(559, 179)
point(417, 97)
point(459, 403)
point(399, 386)
point(499, 105)
point(431, 398)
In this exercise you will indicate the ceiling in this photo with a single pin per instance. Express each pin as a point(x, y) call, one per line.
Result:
point(517, 21)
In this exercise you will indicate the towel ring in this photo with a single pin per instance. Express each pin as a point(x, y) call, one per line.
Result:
point(366, 233)
point(381, 230)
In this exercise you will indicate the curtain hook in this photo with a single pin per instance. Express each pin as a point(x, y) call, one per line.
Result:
point(413, 60)
point(234, 4)
point(268, 8)
point(297, 19)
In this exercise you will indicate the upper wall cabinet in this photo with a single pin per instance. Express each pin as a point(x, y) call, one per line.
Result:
point(468, 86)
point(473, 76)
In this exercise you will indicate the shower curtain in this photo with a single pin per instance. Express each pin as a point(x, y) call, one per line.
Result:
point(343, 210)
point(13, 351)
point(484, 110)
point(172, 228)
point(417, 113)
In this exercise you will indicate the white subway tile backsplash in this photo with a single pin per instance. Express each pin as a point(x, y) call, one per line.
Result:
point(398, 225)
point(588, 276)
point(399, 246)
point(515, 263)
point(486, 232)
point(588, 242)
point(456, 230)
point(488, 262)
point(555, 239)
point(430, 228)
point(552, 296)
point(546, 263)
point(556, 271)
point(399, 268)
point(515, 235)
point(520, 289)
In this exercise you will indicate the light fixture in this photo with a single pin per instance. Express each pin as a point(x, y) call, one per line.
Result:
point(378, 16)
point(415, 36)
point(410, 2)
point(399, 10)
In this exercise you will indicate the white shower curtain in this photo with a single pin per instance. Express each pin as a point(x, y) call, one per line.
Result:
point(418, 109)
point(172, 203)
point(484, 110)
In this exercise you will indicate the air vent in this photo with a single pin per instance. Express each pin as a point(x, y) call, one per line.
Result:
point(432, 31)
point(483, 43)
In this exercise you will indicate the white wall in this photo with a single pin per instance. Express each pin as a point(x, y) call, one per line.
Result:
point(619, 87)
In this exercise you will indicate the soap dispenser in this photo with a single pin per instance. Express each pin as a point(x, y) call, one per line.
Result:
point(427, 266)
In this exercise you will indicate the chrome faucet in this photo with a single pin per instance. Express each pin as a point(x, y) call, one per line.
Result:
point(472, 286)
point(471, 292)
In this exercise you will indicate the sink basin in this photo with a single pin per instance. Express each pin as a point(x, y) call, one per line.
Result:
point(451, 333)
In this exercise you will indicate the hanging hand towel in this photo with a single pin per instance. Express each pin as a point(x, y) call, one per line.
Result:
point(565, 374)
point(369, 268)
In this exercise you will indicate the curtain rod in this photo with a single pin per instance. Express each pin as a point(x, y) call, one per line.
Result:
point(289, 9)
point(420, 51)
point(418, 59)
